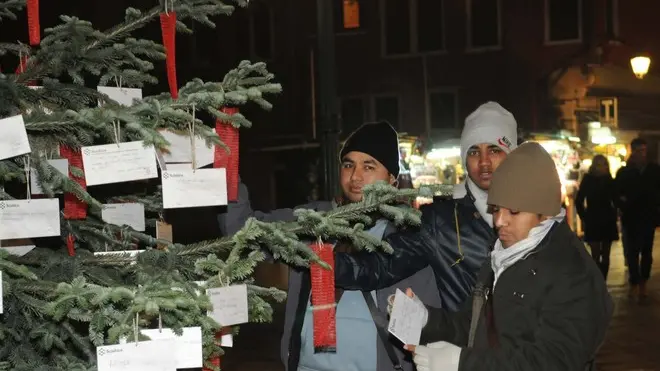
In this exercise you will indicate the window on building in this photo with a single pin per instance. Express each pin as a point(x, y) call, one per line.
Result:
point(443, 107)
point(412, 26)
point(397, 26)
point(484, 24)
point(386, 108)
point(612, 19)
point(563, 20)
point(430, 28)
point(348, 15)
point(261, 29)
point(352, 115)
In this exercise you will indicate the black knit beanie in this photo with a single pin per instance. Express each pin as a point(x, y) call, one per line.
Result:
point(377, 139)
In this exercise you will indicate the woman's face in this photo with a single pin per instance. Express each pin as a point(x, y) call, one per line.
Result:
point(600, 166)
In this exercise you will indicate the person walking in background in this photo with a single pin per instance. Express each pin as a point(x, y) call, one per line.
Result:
point(638, 189)
point(599, 216)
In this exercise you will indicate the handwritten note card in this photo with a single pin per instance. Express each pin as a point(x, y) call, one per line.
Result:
point(180, 149)
point(153, 355)
point(131, 214)
point(202, 187)
point(19, 250)
point(123, 96)
point(116, 163)
point(29, 218)
point(230, 306)
point(406, 319)
point(61, 165)
point(13, 137)
point(188, 352)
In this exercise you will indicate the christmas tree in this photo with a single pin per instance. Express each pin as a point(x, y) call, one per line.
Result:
point(60, 304)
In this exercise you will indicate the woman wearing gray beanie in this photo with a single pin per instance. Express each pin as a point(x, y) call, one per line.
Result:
point(540, 302)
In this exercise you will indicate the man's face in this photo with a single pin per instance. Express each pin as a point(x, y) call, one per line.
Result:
point(513, 226)
point(359, 169)
point(481, 161)
point(639, 153)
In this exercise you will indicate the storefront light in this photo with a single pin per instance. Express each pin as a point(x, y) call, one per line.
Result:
point(640, 66)
point(441, 153)
point(603, 139)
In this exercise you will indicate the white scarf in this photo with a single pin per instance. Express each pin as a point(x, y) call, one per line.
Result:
point(501, 258)
point(480, 198)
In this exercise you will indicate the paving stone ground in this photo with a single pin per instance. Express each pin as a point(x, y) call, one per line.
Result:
point(633, 340)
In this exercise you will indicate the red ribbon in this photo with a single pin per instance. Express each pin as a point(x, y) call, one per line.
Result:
point(215, 361)
point(323, 300)
point(221, 159)
point(168, 29)
point(70, 245)
point(34, 29)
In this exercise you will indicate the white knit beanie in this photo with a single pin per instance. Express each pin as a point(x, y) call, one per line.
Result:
point(492, 124)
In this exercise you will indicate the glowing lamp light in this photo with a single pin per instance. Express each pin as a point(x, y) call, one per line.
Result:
point(640, 66)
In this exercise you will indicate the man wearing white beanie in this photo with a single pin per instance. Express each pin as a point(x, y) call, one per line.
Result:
point(456, 235)
point(489, 134)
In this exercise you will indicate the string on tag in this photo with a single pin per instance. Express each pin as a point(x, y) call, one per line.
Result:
point(160, 323)
point(118, 81)
point(191, 128)
point(166, 12)
point(26, 168)
point(106, 247)
point(21, 65)
point(135, 327)
point(117, 130)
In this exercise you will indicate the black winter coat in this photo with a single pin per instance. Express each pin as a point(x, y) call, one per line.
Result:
point(599, 216)
point(548, 312)
point(454, 258)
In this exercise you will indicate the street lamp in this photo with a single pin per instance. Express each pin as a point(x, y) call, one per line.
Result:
point(640, 66)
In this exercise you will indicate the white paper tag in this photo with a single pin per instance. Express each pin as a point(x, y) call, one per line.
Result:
point(13, 137)
point(19, 250)
point(153, 355)
point(406, 319)
point(188, 351)
point(230, 306)
point(131, 214)
point(227, 340)
point(116, 163)
point(29, 218)
point(61, 164)
point(123, 96)
point(180, 150)
point(202, 187)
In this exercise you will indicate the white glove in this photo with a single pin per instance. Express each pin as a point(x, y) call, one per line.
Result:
point(438, 356)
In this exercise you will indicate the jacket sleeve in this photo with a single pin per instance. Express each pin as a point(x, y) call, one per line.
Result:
point(377, 270)
point(572, 327)
point(240, 211)
point(452, 327)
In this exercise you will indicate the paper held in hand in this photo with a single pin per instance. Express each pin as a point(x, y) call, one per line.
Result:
point(152, 355)
point(194, 188)
point(13, 137)
point(119, 162)
point(406, 319)
point(29, 218)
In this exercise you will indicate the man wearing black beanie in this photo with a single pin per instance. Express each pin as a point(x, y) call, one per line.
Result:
point(370, 154)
